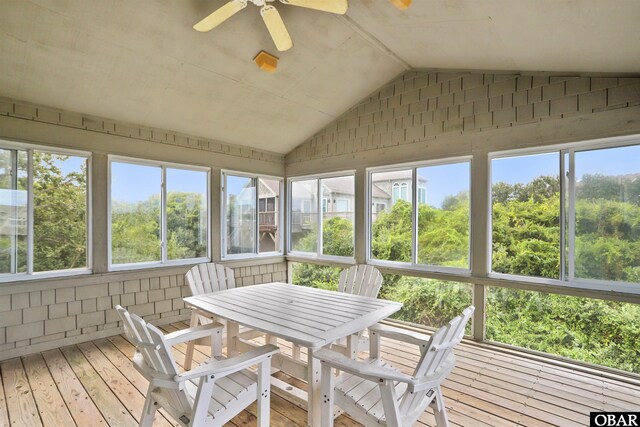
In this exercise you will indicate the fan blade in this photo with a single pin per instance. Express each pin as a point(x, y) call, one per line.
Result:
point(332, 6)
point(220, 15)
point(275, 25)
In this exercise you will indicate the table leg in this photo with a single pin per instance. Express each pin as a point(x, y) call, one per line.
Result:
point(314, 391)
point(352, 346)
point(233, 329)
point(271, 339)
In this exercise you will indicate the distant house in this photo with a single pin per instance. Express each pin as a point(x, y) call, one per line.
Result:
point(241, 219)
point(389, 187)
point(338, 199)
point(13, 227)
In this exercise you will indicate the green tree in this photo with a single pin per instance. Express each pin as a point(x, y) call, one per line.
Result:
point(59, 214)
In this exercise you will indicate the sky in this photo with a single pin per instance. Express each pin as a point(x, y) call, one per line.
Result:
point(132, 182)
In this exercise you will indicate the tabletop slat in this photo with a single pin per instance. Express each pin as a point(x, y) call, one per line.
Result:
point(306, 316)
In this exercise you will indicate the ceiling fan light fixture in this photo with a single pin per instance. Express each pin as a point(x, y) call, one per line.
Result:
point(276, 27)
point(401, 4)
point(266, 62)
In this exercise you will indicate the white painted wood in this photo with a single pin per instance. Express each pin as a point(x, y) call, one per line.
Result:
point(307, 317)
point(363, 280)
point(202, 279)
point(374, 393)
point(252, 306)
point(209, 395)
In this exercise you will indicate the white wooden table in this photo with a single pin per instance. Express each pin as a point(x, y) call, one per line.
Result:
point(309, 317)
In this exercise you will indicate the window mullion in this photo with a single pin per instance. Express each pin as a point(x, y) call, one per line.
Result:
point(30, 216)
point(163, 215)
point(256, 180)
point(414, 223)
point(13, 215)
point(563, 215)
point(572, 215)
point(223, 216)
point(319, 215)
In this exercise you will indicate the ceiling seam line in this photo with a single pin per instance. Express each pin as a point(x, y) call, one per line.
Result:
point(367, 36)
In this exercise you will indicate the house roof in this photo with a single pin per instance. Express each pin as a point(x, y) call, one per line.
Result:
point(140, 61)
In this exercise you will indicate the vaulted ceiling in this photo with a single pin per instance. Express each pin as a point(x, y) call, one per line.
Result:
point(140, 61)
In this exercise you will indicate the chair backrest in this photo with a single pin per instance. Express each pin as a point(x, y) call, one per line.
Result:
point(442, 343)
point(209, 277)
point(364, 280)
point(436, 356)
point(150, 343)
point(158, 362)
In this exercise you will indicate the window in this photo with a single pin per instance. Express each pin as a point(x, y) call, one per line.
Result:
point(584, 227)
point(430, 234)
point(400, 192)
point(335, 219)
point(595, 331)
point(158, 213)
point(422, 195)
point(341, 205)
point(247, 231)
point(44, 211)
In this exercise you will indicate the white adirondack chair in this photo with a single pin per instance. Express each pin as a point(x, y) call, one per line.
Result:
point(209, 395)
point(373, 393)
point(202, 279)
point(364, 280)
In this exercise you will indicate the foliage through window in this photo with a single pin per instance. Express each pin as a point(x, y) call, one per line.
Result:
point(440, 236)
point(591, 330)
point(585, 226)
point(58, 189)
point(336, 217)
point(159, 213)
point(252, 214)
point(426, 302)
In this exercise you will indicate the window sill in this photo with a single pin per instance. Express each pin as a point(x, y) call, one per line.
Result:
point(45, 275)
point(149, 265)
point(405, 266)
point(320, 259)
point(244, 257)
point(587, 285)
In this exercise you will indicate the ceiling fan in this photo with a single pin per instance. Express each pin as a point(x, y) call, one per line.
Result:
point(270, 15)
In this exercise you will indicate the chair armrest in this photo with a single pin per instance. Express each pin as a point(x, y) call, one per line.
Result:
point(194, 333)
point(371, 372)
point(436, 378)
point(399, 334)
point(222, 368)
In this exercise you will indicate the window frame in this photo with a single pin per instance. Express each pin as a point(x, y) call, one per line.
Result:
point(413, 196)
point(224, 256)
point(164, 261)
point(30, 274)
point(318, 255)
point(567, 262)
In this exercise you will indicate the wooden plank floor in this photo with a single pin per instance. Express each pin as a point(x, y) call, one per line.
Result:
point(94, 384)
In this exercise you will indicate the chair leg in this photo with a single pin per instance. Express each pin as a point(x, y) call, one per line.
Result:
point(264, 394)
point(327, 395)
point(390, 404)
point(148, 410)
point(188, 357)
point(439, 410)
